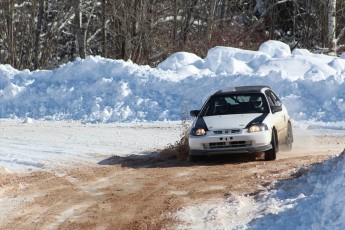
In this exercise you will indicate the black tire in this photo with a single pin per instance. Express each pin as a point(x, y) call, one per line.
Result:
point(289, 139)
point(271, 154)
point(192, 158)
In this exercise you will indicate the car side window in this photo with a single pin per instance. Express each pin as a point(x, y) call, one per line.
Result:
point(273, 99)
point(277, 101)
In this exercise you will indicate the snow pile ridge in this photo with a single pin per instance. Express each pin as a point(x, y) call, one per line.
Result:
point(97, 89)
point(315, 190)
point(180, 60)
point(232, 60)
point(275, 49)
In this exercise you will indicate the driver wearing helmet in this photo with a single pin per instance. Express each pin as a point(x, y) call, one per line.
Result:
point(256, 103)
point(221, 106)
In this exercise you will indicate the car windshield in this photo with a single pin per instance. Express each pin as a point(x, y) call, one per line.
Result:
point(235, 104)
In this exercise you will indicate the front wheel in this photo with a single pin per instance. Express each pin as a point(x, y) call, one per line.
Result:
point(271, 154)
point(192, 158)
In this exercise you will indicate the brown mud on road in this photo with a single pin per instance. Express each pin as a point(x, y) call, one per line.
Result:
point(143, 192)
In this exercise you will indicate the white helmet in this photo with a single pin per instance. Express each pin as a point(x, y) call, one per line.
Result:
point(256, 101)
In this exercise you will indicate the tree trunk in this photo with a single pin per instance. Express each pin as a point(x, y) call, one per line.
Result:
point(332, 41)
point(175, 27)
point(104, 29)
point(38, 33)
point(187, 21)
point(223, 11)
point(210, 19)
point(80, 35)
point(10, 35)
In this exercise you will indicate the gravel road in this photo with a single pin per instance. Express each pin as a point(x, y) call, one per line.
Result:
point(144, 191)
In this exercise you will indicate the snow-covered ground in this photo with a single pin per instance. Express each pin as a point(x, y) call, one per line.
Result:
point(47, 145)
point(119, 99)
point(312, 201)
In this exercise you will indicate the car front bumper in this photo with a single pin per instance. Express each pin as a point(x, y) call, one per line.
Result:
point(244, 142)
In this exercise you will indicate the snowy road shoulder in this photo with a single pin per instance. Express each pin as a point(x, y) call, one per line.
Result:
point(311, 201)
point(47, 145)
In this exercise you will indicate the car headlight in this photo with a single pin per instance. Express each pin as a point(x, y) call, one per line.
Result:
point(257, 128)
point(198, 132)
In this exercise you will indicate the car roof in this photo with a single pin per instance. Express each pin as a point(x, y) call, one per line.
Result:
point(242, 89)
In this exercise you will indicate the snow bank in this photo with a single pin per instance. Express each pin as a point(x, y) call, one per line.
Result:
point(275, 49)
point(311, 201)
point(103, 90)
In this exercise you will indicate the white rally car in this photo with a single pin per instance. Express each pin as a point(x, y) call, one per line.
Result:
point(242, 119)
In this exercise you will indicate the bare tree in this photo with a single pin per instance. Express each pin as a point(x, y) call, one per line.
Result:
point(8, 7)
point(79, 29)
point(187, 21)
point(210, 19)
point(333, 26)
point(332, 41)
point(104, 28)
point(147, 31)
point(38, 33)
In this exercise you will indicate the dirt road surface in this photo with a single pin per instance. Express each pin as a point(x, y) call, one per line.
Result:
point(142, 192)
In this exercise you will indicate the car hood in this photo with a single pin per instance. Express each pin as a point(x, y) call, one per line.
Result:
point(233, 121)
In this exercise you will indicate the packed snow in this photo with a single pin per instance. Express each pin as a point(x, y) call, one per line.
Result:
point(312, 201)
point(99, 90)
point(121, 99)
point(45, 145)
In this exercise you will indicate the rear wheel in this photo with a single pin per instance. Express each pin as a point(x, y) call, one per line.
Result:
point(289, 139)
point(271, 154)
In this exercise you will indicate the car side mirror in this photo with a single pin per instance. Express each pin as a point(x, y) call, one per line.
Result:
point(194, 113)
point(276, 109)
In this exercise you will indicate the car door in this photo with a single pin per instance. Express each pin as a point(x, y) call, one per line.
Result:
point(279, 114)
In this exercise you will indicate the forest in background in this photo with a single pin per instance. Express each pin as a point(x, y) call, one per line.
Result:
point(43, 34)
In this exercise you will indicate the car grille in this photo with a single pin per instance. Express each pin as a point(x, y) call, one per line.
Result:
point(227, 131)
point(231, 144)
